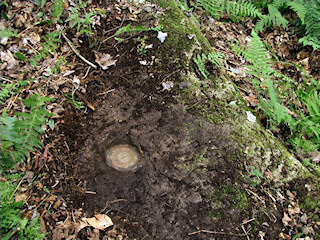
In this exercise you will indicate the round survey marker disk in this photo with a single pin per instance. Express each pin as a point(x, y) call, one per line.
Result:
point(123, 157)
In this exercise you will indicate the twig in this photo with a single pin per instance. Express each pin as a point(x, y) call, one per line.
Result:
point(245, 232)
point(250, 220)
point(16, 188)
point(214, 232)
point(77, 52)
point(86, 73)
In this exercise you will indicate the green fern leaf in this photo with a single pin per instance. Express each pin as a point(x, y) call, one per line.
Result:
point(279, 4)
point(20, 133)
point(310, 41)
point(312, 18)
point(299, 9)
point(273, 19)
point(200, 61)
point(215, 58)
point(57, 8)
point(234, 9)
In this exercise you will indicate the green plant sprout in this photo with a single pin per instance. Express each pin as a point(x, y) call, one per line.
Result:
point(202, 59)
point(142, 45)
point(73, 100)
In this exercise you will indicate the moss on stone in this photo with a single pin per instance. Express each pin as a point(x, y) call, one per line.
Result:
point(232, 194)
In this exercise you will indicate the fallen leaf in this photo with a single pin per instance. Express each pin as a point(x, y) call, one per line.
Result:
point(8, 57)
point(293, 210)
point(82, 223)
point(269, 175)
point(20, 197)
point(286, 219)
point(104, 60)
point(235, 70)
point(100, 221)
point(167, 86)
point(284, 236)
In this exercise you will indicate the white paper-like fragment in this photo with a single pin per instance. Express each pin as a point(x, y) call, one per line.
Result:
point(76, 80)
point(162, 36)
point(143, 62)
point(4, 40)
point(251, 117)
point(235, 70)
point(233, 103)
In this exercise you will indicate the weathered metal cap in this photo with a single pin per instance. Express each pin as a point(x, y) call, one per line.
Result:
point(123, 157)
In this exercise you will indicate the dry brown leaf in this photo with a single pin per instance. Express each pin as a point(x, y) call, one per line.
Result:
point(286, 219)
point(284, 236)
point(42, 225)
point(294, 210)
point(21, 197)
point(100, 221)
point(104, 60)
point(290, 194)
point(8, 58)
point(81, 224)
point(269, 175)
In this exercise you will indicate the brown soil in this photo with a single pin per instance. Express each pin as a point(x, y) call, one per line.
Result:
point(162, 200)
point(185, 159)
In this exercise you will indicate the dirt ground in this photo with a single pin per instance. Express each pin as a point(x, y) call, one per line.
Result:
point(162, 199)
point(178, 191)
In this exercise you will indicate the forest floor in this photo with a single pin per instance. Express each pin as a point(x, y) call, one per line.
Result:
point(128, 98)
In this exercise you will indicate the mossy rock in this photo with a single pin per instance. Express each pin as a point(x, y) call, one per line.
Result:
point(261, 150)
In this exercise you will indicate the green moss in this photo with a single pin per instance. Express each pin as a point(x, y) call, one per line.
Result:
point(232, 194)
point(310, 200)
point(216, 111)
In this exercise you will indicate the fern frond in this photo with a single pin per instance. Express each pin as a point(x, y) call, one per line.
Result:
point(299, 8)
point(200, 61)
point(312, 18)
point(279, 4)
point(235, 9)
point(257, 54)
point(214, 7)
point(20, 133)
point(274, 18)
point(215, 58)
point(310, 41)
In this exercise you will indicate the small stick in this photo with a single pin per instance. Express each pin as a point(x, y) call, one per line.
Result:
point(245, 232)
point(77, 53)
point(213, 232)
point(86, 73)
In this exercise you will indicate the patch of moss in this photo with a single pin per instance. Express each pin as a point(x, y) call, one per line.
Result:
point(216, 111)
point(183, 36)
point(309, 200)
point(232, 194)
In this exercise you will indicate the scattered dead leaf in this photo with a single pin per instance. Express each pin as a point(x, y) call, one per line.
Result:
point(284, 236)
point(21, 197)
point(100, 221)
point(104, 60)
point(286, 219)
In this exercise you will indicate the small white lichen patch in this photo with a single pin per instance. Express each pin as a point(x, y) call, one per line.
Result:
point(162, 36)
point(251, 117)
